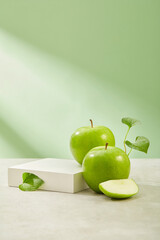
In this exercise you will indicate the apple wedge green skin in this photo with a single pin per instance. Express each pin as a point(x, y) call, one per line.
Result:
point(101, 164)
point(123, 188)
point(86, 138)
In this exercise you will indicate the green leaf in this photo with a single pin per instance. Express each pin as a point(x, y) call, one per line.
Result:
point(25, 175)
point(31, 182)
point(27, 187)
point(141, 144)
point(130, 121)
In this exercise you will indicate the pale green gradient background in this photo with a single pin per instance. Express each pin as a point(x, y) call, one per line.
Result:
point(63, 62)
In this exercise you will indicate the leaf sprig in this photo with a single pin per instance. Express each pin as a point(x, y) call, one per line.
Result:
point(141, 143)
point(31, 182)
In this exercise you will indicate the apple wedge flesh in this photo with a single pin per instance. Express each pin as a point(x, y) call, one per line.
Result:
point(122, 188)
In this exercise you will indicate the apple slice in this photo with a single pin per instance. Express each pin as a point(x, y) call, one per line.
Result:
point(122, 188)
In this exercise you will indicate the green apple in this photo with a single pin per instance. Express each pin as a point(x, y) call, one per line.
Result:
point(105, 163)
point(86, 138)
point(122, 188)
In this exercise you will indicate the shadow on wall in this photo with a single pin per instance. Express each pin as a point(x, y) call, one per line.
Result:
point(115, 40)
point(17, 142)
point(46, 99)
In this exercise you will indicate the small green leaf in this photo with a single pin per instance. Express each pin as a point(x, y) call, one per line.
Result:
point(31, 182)
point(26, 187)
point(141, 144)
point(130, 121)
point(25, 175)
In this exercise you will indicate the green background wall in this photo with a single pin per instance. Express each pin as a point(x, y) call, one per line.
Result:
point(64, 62)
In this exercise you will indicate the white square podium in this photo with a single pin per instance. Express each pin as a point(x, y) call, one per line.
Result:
point(60, 175)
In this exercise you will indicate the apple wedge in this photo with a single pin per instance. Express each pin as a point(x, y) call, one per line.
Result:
point(123, 188)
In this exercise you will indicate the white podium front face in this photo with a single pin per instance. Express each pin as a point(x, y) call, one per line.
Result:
point(61, 175)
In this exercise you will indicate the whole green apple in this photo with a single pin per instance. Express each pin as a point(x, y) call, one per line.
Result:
point(86, 138)
point(105, 163)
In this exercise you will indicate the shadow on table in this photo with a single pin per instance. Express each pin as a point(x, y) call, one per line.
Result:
point(89, 192)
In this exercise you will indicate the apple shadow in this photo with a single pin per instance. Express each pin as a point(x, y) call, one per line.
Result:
point(88, 192)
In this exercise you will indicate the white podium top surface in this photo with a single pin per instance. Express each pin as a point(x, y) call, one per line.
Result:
point(52, 165)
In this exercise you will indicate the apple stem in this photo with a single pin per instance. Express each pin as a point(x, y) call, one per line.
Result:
point(91, 123)
point(106, 146)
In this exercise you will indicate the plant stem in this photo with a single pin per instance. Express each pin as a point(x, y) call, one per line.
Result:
point(125, 139)
point(130, 151)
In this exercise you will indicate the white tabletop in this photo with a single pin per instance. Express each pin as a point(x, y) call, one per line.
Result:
point(84, 215)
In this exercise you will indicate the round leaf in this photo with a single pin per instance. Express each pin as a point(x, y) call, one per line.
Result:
point(141, 144)
point(130, 121)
